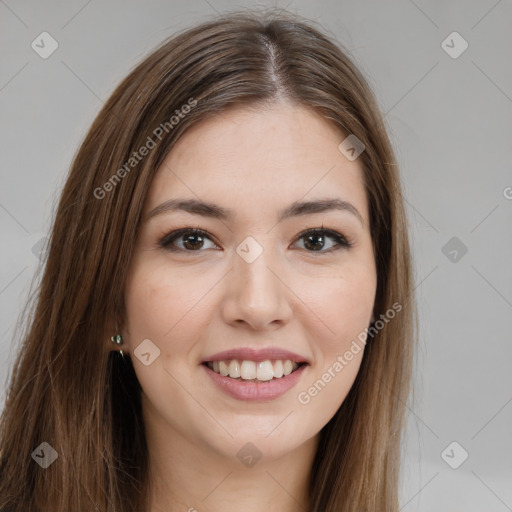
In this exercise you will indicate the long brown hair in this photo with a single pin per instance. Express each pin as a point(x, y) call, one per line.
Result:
point(69, 390)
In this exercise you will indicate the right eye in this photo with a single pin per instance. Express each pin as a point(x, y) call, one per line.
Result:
point(191, 240)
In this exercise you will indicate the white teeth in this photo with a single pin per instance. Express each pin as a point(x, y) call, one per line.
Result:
point(223, 368)
point(234, 369)
point(287, 367)
point(264, 371)
point(278, 369)
point(250, 370)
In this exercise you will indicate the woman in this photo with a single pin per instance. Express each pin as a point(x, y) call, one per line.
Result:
point(225, 317)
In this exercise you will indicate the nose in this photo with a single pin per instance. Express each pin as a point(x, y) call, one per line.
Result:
point(256, 295)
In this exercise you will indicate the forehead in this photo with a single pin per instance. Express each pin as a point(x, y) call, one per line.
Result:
point(259, 160)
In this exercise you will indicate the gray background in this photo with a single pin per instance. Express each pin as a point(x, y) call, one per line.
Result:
point(450, 120)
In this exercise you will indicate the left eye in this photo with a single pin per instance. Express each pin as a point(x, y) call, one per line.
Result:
point(317, 237)
point(193, 240)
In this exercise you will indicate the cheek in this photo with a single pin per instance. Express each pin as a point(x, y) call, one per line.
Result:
point(343, 301)
point(163, 305)
point(323, 394)
point(159, 300)
point(145, 307)
point(335, 370)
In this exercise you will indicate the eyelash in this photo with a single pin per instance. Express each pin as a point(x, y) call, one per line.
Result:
point(340, 240)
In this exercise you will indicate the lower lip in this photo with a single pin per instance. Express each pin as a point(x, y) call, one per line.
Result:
point(255, 391)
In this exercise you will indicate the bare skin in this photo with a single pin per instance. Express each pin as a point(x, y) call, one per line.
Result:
point(312, 297)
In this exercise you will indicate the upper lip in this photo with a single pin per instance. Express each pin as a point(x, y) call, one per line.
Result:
point(256, 355)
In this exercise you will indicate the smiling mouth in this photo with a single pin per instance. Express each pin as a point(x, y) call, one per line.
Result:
point(251, 371)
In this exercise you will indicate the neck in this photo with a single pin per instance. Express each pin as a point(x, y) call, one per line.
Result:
point(188, 477)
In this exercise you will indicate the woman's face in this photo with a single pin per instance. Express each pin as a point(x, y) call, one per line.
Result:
point(255, 285)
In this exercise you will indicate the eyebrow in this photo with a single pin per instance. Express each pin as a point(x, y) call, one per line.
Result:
point(298, 208)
